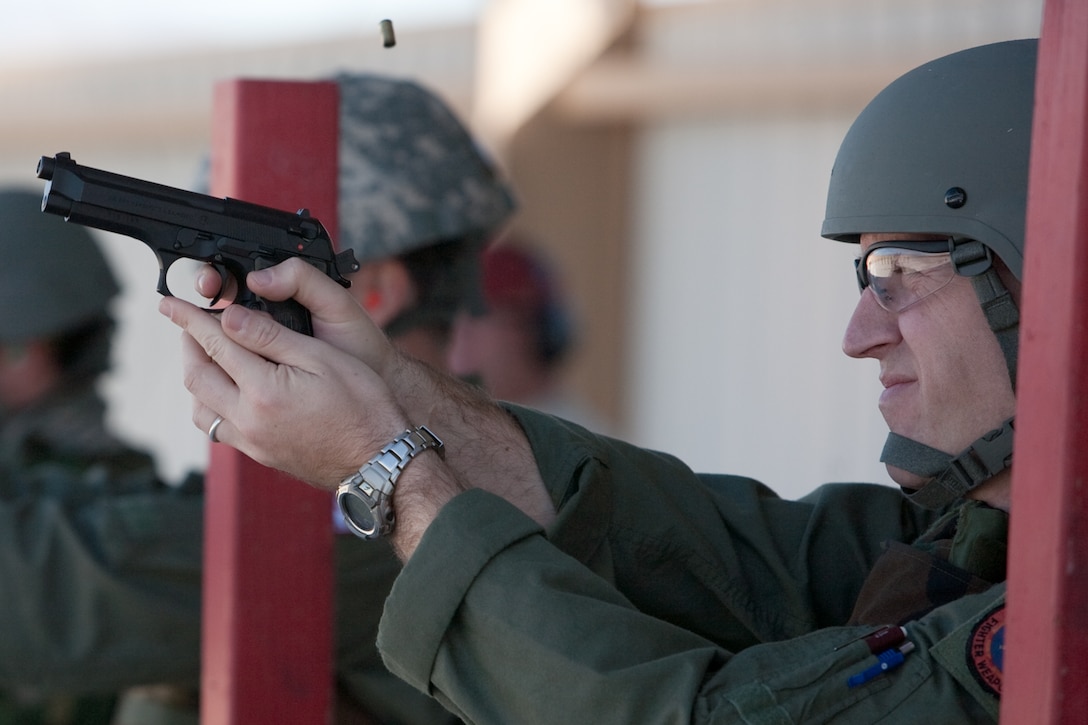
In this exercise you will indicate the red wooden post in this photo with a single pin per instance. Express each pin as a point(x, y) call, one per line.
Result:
point(1046, 672)
point(267, 632)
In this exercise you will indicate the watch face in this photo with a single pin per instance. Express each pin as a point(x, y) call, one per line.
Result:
point(357, 512)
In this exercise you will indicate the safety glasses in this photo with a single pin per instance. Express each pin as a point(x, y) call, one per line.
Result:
point(903, 273)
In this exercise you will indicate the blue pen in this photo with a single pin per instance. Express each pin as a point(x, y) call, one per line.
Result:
point(888, 660)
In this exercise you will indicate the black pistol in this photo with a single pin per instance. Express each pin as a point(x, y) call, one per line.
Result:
point(233, 236)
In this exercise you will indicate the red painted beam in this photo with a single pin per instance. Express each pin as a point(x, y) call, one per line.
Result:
point(267, 615)
point(1046, 671)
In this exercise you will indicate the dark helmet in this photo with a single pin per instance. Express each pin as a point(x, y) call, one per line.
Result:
point(944, 149)
point(53, 276)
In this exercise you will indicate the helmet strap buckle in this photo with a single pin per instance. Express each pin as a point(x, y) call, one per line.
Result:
point(985, 458)
point(954, 476)
point(971, 258)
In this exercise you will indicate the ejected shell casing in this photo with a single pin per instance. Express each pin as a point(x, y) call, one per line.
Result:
point(388, 39)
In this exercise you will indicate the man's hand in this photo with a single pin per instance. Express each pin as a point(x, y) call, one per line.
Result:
point(319, 407)
point(338, 319)
point(302, 405)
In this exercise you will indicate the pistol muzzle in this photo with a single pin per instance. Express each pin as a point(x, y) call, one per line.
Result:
point(46, 165)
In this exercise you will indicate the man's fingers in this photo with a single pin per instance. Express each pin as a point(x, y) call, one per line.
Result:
point(241, 342)
point(212, 284)
point(276, 389)
point(257, 332)
point(212, 359)
point(338, 319)
point(307, 284)
point(212, 389)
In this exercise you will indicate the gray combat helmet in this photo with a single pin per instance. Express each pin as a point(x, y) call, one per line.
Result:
point(415, 185)
point(944, 149)
point(53, 276)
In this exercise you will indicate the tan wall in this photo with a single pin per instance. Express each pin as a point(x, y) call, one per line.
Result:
point(574, 182)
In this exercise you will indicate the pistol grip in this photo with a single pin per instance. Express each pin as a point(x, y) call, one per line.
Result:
point(290, 314)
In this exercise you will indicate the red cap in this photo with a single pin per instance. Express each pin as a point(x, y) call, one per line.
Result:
point(513, 278)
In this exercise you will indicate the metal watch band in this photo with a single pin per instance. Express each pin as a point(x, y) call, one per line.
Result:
point(365, 497)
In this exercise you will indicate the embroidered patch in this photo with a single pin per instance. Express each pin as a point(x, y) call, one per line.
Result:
point(986, 650)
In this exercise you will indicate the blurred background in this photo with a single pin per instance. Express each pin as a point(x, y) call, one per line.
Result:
point(670, 156)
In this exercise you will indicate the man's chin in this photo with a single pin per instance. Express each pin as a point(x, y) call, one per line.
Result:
point(906, 480)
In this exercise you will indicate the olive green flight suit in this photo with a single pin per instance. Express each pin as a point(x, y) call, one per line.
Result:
point(662, 596)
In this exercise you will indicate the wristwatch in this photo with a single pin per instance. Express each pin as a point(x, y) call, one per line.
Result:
point(365, 497)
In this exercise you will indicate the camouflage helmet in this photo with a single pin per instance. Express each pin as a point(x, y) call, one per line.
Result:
point(53, 276)
point(410, 174)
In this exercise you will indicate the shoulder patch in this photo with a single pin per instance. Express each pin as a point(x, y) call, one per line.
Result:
point(974, 652)
point(986, 650)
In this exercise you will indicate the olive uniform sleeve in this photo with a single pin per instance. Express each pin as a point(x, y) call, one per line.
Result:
point(650, 526)
point(365, 571)
point(679, 596)
point(497, 623)
point(100, 592)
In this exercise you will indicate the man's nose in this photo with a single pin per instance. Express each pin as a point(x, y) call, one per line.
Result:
point(870, 328)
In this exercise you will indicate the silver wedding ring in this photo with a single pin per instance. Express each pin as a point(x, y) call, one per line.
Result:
point(215, 427)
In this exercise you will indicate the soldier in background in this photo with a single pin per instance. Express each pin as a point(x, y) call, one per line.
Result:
point(100, 562)
point(517, 346)
point(418, 201)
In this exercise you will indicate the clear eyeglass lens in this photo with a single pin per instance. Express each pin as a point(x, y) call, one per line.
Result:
point(902, 277)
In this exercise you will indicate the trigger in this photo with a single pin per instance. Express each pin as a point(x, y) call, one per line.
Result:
point(222, 285)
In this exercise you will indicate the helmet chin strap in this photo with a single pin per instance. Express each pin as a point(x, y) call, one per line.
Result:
point(954, 476)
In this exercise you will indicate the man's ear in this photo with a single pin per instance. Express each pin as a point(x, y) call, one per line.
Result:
point(384, 288)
